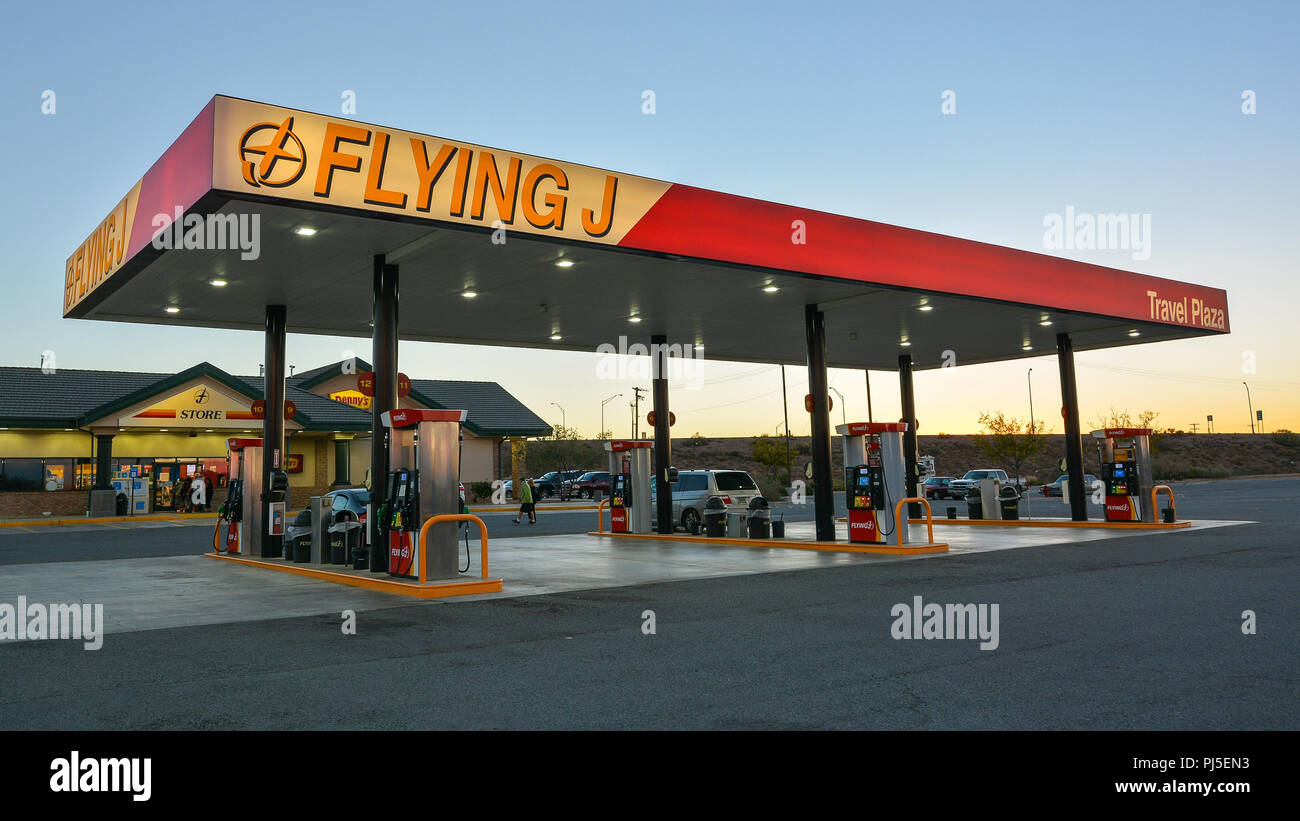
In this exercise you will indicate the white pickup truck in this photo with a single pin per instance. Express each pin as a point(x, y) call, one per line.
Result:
point(959, 487)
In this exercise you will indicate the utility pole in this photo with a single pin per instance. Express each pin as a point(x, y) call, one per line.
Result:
point(1251, 407)
point(870, 417)
point(636, 413)
point(1194, 426)
point(785, 405)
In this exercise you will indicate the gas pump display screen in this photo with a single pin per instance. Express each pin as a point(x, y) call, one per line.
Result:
point(864, 481)
point(400, 481)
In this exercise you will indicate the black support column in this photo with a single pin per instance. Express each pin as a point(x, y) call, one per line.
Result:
point(384, 354)
point(103, 461)
point(273, 457)
point(910, 472)
point(1073, 438)
point(663, 453)
point(823, 491)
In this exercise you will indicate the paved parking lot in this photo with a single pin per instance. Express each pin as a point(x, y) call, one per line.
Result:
point(1122, 631)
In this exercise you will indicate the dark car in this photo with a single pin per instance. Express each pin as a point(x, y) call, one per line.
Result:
point(936, 487)
point(556, 483)
point(590, 483)
point(347, 505)
point(1054, 488)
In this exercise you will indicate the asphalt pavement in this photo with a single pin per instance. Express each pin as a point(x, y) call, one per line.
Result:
point(1135, 632)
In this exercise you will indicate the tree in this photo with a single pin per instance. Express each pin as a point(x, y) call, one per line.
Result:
point(1009, 442)
point(564, 450)
point(769, 451)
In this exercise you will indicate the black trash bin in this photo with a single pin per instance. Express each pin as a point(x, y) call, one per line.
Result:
point(778, 528)
point(123, 504)
point(760, 518)
point(715, 517)
point(344, 538)
point(974, 504)
point(1009, 501)
point(360, 558)
point(302, 549)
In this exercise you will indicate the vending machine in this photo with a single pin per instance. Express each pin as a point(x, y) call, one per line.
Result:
point(874, 479)
point(423, 481)
point(630, 508)
point(1126, 473)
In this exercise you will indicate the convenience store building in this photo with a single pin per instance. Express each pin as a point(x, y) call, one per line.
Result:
point(58, 428)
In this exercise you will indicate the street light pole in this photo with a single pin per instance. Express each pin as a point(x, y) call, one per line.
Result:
point(1029, 377)
point(563, 417)
point(843, 417)
point(602, 411)
point(1251, 407)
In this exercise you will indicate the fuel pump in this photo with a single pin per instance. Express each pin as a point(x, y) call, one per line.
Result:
point(874, 479)
point(1126, 473)
point(240, 513)
point(426, 446)
point(400, 517)
point(630, 510)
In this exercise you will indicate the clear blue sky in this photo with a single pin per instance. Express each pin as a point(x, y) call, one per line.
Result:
point(1109, 107)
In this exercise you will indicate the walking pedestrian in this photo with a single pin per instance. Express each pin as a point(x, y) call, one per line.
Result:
point(526, 502)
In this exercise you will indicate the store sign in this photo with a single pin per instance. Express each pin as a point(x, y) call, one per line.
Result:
point(201, 406)
point(289, 154)
point(293, 464)
point(103, 252)
point(356, 399)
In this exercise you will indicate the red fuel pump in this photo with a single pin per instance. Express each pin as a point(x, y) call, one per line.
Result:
point(864, 489)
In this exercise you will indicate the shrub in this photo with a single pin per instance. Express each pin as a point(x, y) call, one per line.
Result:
point(1287, 439)
point(481, 491)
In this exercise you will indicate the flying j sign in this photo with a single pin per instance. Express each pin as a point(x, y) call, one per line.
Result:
point(241, 150)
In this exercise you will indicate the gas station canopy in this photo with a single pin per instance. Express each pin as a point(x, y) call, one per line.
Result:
point(290, 208)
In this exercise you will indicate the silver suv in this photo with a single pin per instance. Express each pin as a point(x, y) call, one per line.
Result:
point(694, 487)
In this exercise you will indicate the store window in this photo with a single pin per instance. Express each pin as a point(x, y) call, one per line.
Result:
point(21, 474)
point(85, 473)
point(57, 475)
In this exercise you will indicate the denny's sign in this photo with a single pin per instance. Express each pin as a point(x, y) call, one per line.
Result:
point(272, 151)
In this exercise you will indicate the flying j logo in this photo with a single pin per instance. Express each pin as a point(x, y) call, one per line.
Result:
point(313, 159)
point(281, 147)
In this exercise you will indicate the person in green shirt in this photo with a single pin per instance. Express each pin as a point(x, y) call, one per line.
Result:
point(526, 502)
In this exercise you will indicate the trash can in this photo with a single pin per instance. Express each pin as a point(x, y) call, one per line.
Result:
point(1009, 501)
point(1167, 515)
point(345, 537)
point(760, 518)
point(360, 558)
point(952, 512)
point(123, 505)
point(302, 549)
point(974, 504)
point(778, 528)
point(715, 517)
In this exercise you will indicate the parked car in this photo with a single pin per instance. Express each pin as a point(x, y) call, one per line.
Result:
point(936, 487)
point(1057, 488)
point(590, 483)
point(694, 487)
point(345, 505)
point(958, 488)
point(556, 482)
